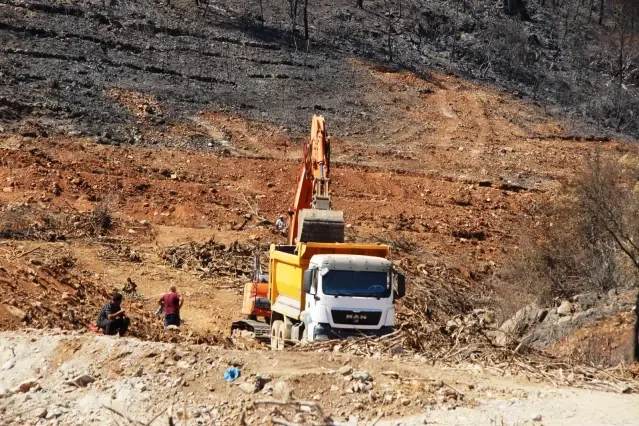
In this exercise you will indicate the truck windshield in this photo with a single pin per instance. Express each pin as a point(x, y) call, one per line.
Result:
point(356, 283)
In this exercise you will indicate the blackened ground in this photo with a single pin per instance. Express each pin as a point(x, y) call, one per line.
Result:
point(58, 58)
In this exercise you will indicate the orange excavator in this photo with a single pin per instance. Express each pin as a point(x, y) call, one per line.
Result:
point(311, 219)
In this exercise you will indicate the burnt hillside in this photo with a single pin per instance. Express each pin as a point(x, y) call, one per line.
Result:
point(60, 59)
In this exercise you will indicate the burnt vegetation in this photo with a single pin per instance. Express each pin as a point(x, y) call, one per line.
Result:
point(587, 243)
point(267, 58)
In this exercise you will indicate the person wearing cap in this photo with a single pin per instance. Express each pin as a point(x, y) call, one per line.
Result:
point(280, 223)
point(112, 318)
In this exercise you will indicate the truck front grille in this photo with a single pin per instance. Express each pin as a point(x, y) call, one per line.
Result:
point(356, 317)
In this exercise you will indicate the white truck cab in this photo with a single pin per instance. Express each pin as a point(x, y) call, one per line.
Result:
point(349, 295)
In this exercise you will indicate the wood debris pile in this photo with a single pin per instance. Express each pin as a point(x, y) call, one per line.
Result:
point(33, 223)
point(438, 321)
point(119, 253)
point(210, 258)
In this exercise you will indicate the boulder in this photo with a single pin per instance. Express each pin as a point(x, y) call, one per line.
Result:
point(565, 308)
point(26, 386)
point(282, 391)
point(511, 329)
point(81, 381)
point(345, 370)
point(363, 376)
point(18, 313)
point(587, 301)
point(248, 388)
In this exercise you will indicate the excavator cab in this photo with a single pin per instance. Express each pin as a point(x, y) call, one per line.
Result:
point(255, 303)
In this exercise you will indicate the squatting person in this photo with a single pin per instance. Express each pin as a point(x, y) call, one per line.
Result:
point(112, 318)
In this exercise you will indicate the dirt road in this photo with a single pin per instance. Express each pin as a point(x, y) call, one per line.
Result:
point(141, 379)
point(547, 407)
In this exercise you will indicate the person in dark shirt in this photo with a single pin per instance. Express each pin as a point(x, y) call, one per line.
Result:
point(112, 318)
point(171, 303)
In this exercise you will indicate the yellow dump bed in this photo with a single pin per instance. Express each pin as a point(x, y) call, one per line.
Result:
point(288, 263)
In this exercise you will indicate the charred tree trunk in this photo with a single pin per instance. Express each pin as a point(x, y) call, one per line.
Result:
point(360, 4)
point(261, 12)
point(390, 41)
point(306, 19)
point(516, 8)
point(601, 11)
point(293, 4)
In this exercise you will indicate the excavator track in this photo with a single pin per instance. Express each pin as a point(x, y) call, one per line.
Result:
point(321, 226)
point(261, 330)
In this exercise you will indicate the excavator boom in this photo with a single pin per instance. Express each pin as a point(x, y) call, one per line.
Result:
point(311, 217)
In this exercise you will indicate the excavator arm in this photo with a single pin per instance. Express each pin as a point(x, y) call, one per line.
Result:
point(311, 216)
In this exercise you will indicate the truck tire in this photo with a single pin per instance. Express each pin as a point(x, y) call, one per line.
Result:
point(285, 332)
point(277, 338)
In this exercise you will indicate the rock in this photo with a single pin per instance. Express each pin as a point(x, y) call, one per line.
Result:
point(173, 327)
point(345, 370)
point(507, 333)
point(537, 418)
point(8, 365)
point(282, 391)
point(405, 401)
point(565, 308)
point(183, 364)
point(364, 376)
point(391, 374)
point(53, 413)
point(248, 388)
point(5, 393)
point(261, 381)
point(26, 386)
point(81, 381)
point(16, 312)
point(141, 387)
point(587, 301)
point(139, 372)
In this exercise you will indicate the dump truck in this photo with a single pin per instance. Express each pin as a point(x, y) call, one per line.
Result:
point(320, 287)
point(321, 291)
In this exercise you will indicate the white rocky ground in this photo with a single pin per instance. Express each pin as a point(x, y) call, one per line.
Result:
point(58, 378)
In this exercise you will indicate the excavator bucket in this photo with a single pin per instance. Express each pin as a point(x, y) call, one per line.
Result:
point(321, 226)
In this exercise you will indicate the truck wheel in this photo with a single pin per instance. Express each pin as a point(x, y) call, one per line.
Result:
point(285, 332)
point(277, 340)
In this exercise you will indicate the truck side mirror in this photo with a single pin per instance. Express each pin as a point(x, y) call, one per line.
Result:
point(308, 281)
point(401, 286)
